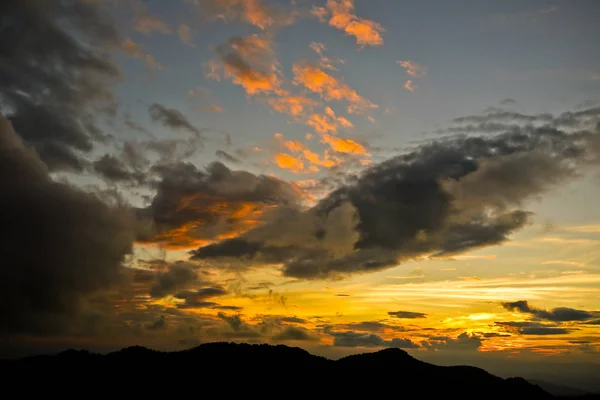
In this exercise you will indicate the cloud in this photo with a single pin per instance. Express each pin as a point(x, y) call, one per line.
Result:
point(177, 277)
point(291, 163)
point(185, 34)
point(292, 105)
point(346, 146)
point(324, 61)
point(135, 50)
point(560, 314)
point(146, 23)
point(294, 333)
point(70, 79)
point(533, 328)
point(587, 118)
point(61, 245)
point(407, 314)
point(452, 195)
point(227, 157)
point(366, 32)
point(115, 170)
point(193, 207)
point(463, 342)
point(412, 68)
point(371, 326)
point(329, 87)
point(410, 86)
point(171, 118)
point(254, 12)
point(249, 61)
point(356, 339)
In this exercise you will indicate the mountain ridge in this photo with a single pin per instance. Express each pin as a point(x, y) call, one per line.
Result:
point(224, 363)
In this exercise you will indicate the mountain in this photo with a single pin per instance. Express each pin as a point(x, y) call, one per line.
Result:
point(232, 370)
point(556, 389)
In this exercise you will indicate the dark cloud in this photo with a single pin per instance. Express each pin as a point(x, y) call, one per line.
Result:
point(443, 198)
point(570, 119)
point(226, 157)
point(208, 203)
point(294, 333)
point(177, 277)
point(198, 298)
point(534, 328)
point(55, 74)
point(158, 324)
point(464, 342)
point(508, 101)
point(407, 314)
point(371, 326)
point(356, 339)
point(560, 314)
point(60, 245)
point(115, 170)
point(171, 118)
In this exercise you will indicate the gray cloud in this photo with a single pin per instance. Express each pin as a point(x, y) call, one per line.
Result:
point(171, 118)
point(177, 277)
point(115, 170)
point(534, 328)
point(569, 119)
point(53, 78)
point(371, 326)
point(407, 314)
point(356, 339)
point(226, 157)
point(294, 333)
point(443, 198)
point(559, 314)
point(60, 245)
point(464, 342)
point(210, 197)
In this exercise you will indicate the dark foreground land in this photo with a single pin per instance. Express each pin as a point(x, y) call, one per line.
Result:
point(226, 370)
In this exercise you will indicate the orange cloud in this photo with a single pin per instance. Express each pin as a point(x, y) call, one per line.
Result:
point(412, 68)
point(365, 31)
point(292, 105)
point(326, 161)
point(238, 218)
point(321, 124)
point(409, 85)
point(296, 164)
point(328, 122)
point(347, 146)
point(286, 161)
point(294, 146)
point(329, 87)
point(248, 61)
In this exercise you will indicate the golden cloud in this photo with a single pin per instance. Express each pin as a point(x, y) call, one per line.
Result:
point(249, 61)
point(292, 105)
point(329, 87)
point(365, 31)
point(347, 146)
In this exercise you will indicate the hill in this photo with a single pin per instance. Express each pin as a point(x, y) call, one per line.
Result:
point(231, 370)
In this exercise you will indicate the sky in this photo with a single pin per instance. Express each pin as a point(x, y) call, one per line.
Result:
point(338, 175)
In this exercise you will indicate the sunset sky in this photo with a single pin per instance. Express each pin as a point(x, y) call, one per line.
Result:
point(338, 175)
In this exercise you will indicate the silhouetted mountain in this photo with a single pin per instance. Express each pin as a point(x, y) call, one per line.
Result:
point(257, 370)
point(556, 389)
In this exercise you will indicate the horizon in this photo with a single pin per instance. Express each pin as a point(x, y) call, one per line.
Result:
point(342, 176)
